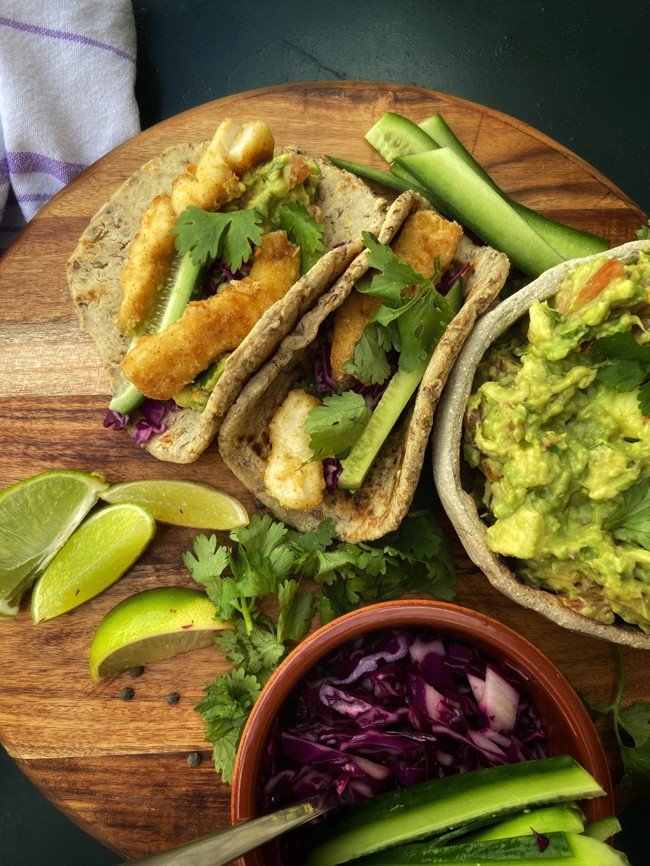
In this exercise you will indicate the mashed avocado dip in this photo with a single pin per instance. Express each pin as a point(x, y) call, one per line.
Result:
point(564, 449)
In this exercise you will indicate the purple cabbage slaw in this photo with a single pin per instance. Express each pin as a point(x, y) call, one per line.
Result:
point(395, 708)
point(148, 419)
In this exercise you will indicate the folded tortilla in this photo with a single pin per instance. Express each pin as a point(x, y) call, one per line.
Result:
point(383, 500)
point(348, 207)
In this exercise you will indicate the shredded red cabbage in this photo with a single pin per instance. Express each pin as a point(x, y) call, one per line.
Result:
point(332, 468)
point(395, 708)
point(149, 415)
point(450, 278)
point(115, 419)
point(220, 273)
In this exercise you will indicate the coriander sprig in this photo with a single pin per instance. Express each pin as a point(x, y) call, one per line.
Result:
point(268, 560)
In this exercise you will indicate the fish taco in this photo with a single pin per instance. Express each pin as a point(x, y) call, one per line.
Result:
point(335, 425)
point(200, 263)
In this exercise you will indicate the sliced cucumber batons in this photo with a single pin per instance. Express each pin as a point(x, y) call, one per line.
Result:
point(180, 286)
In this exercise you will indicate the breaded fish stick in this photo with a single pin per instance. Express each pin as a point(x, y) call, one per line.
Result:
point(424, 237)
point(289, 476)
point(214, 180)
point(161, 364)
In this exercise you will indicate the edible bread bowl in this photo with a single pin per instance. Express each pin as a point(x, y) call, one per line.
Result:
point(451, 472)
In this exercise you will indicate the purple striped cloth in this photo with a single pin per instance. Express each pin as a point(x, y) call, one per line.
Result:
point(67, 75)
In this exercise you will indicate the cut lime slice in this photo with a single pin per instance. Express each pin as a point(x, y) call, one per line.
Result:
point(183, 503)
point(152, 625)
point(37, 516)
point(94, 557)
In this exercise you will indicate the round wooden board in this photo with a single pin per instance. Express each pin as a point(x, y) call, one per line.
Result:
point(119, 768)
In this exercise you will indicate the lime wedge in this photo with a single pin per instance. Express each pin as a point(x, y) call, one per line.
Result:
point(183, 503)
point(94, 557)
point(152, 625)
point(37, 516)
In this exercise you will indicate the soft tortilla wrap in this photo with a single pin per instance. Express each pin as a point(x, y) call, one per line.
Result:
point(385, 497)
point(348, 207)
point(449, 469)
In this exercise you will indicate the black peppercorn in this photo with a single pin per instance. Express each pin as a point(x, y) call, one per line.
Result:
point(173, 698)
point(126, 694)
point(194, 759)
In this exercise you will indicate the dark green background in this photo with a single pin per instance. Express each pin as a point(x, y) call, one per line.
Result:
point(576, 70)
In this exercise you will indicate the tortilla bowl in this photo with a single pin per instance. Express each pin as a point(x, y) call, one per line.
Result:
point(387, 492)
point(348, 207)
point(450, 470)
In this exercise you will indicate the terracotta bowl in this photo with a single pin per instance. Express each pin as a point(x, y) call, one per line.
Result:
point(449, 472)
point(568, 726)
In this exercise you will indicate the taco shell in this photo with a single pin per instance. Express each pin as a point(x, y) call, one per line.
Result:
point(386, 494)
point(348, 207)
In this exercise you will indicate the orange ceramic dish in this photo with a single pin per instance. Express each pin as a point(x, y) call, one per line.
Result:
point(566, 721)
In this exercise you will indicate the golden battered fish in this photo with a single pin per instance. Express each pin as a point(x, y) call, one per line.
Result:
point(214, 180)
point(424, 237)
point(288, 475)
point(161, 364)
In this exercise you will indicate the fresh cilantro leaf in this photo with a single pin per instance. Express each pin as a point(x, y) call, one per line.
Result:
point(318, 538)
point(620, 347)
point(622, 375)
point(335, 426)
point(369, 359)
point(631, 520)
point(303, 230)
point(632, 730)
point(211, 235)
point(628, 367)
point(207, 564)
point(258, 652)
point(643, 234)
point(635, 721)
point(395, 275)
point(296, 612)
point(414, 320)
point(225, 708)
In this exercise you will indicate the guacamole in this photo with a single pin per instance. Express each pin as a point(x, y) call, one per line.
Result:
point(559, 444)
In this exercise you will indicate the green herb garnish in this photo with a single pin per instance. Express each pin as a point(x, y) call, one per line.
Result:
point(267, 562)
point(626, 365)
point(631, 520)
point(411, 324)
point(211, 235)
point(336, 425)
point(304, 231)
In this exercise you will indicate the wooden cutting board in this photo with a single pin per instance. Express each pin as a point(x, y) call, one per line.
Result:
point(119, 769)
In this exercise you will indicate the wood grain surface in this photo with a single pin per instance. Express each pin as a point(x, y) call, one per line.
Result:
point(119, 768)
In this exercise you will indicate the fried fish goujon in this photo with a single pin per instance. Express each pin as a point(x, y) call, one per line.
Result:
point(161, 364)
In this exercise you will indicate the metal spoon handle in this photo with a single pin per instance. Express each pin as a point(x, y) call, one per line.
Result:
point(220, 848)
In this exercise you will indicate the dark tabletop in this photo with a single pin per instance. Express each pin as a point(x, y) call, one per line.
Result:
point(573, 69)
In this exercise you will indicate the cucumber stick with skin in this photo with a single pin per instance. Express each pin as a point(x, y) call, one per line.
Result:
point(440, 805)
point(394, 136)
point(399, 391)
point(480, 208)
point(557, 818)
point(563, 849)
point(179, 288)
point(572, 243)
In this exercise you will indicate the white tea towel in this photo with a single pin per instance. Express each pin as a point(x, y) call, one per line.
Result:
point(67, 75)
